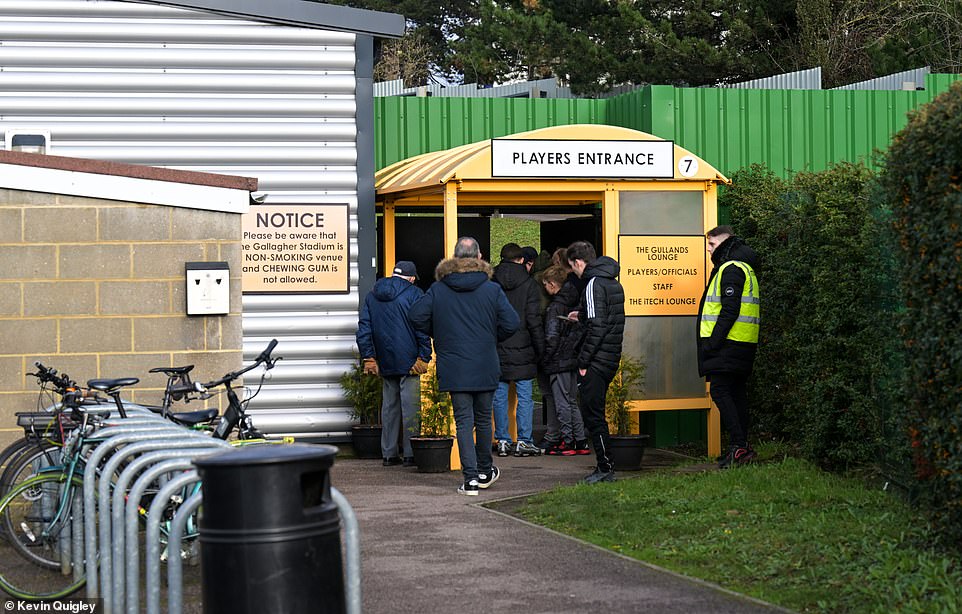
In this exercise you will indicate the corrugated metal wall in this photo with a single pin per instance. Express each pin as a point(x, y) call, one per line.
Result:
point(167, 87)
point(808, 79)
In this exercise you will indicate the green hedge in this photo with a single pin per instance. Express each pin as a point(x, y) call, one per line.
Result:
point(922, 182)
point(819, 372)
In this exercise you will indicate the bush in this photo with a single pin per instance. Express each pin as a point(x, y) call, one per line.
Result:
point(922, 182)
point(627, 385)
point(436, 414)
point(819, 358)
point(363, 392)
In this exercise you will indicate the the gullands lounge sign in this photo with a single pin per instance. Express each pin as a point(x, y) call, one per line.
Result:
point(579, 159)
point(662, 275)
point(295, 248)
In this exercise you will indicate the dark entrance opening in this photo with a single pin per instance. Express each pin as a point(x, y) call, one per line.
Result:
point(421, 240)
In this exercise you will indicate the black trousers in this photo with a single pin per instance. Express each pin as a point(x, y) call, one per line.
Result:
point(729, 391)
point(592, 390)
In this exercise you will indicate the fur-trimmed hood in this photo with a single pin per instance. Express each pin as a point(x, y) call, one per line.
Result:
point(463, 274)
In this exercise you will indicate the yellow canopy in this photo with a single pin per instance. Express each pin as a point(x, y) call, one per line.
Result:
point(427, 173)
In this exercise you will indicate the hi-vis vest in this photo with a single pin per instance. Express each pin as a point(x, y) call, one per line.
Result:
point(745, 328)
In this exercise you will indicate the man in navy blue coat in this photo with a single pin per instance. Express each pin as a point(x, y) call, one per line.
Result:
point(392, 349)
point(467, 314)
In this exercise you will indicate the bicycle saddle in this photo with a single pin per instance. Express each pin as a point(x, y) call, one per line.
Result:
point(192, 418)
point(110, 385)
point(172, 371)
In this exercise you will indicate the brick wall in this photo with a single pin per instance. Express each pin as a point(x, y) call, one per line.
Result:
point(95, 288)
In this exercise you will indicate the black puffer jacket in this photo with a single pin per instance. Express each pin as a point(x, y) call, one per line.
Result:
point(519, 353)
point(562, 339)
point(717, 354)
point(602, 312)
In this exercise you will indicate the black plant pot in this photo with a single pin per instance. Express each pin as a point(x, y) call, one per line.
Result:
point(366, 440)
point(627, 451)
point(432, 454)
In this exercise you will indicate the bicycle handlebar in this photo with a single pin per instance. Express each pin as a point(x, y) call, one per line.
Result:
point(48, 375)
point(262, 358)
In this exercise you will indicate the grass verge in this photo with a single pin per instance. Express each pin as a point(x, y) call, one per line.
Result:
point(782, 531)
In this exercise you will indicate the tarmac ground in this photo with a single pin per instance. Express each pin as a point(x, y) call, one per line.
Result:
point(426, 548)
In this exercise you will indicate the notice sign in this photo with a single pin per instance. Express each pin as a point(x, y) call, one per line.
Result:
point(569, 158)
point(662, 275)
point(295, 248)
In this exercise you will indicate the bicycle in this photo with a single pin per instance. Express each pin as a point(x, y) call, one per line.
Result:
point(43, 516)
point(45, 430)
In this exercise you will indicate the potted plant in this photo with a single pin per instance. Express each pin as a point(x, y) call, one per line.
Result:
point(627, 447)
point(433, 441)
point(363, 391)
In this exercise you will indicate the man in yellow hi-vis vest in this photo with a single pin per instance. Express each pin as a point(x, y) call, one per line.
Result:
point(728, 325)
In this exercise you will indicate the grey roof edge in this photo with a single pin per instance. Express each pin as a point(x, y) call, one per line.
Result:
point(299, 13)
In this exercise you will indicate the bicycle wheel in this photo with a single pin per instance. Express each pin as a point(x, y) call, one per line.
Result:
point(27, 462)
point(43, 555)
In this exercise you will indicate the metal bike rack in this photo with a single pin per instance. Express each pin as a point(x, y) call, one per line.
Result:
point(110, 512)
point(108, 440)
point(132, 522)
point(175, 575)
point(189, 506)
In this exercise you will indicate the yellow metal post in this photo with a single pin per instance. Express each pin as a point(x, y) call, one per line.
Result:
point(389, 239)
point(610, 221)
point(450, 218)
point(450, 240)
point(714, 417)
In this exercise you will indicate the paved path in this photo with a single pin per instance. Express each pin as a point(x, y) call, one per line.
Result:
point(427, 549)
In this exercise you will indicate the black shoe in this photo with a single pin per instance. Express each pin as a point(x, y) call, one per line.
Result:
point(485, 480)
point(737, 456)
point(390, 462)
point(581, 447)
point(408, 461)
point(469, 488)
point(599, 476)
point(546, 445)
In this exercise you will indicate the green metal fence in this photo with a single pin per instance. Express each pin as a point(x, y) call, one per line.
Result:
point(788, 130)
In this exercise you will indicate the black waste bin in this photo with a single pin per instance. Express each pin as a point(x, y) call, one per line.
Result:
point(269, 531)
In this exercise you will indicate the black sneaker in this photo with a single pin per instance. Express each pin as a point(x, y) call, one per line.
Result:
point(469, 488)
point(546, 445)
point(390, 462)
point(485, 480)
point(581, 447)
point(408, 461)
point(599, 476)
point(504, 447)
point(737, 456)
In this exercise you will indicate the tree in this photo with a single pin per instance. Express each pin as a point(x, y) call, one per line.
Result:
point(593, 45)
point(434, 24)
point(407, 58)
